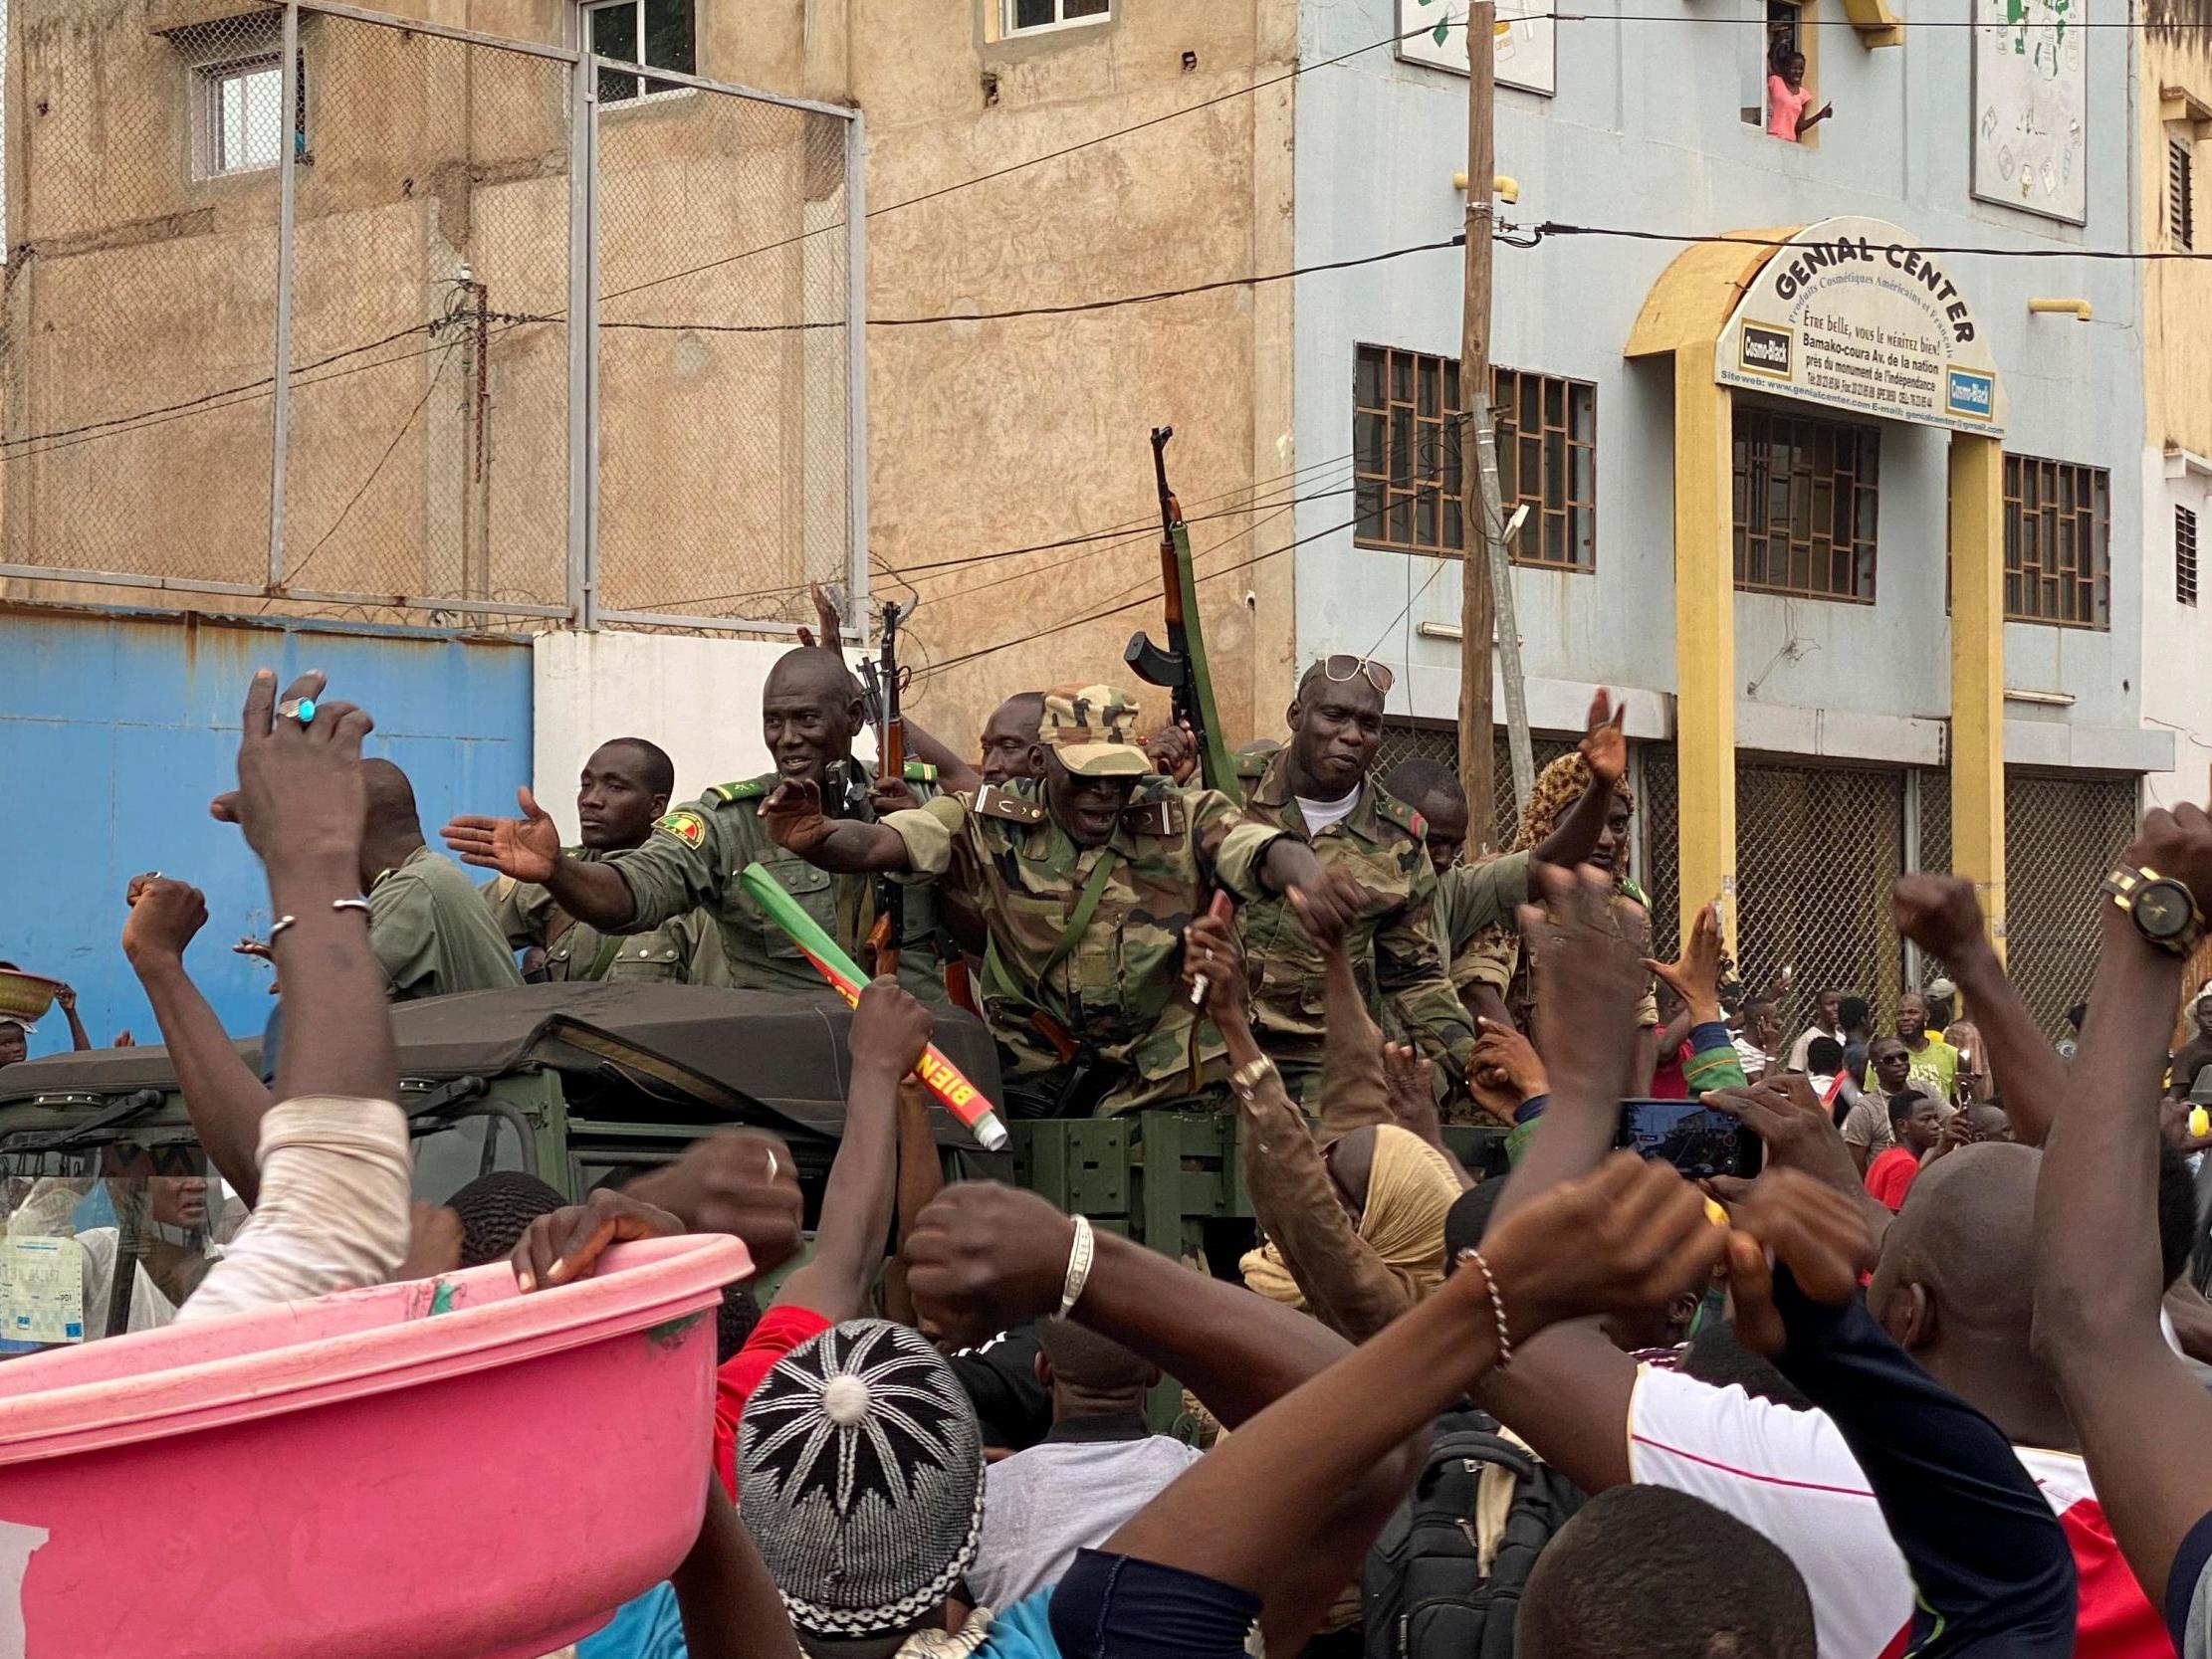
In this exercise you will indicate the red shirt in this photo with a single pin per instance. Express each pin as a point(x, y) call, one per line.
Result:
point(1890, 1177)
point(782, 1329)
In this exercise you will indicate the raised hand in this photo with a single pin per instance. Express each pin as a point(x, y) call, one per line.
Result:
point(526, 848)
point(1587, 977)
point(794, 817)
point(1605, 747)
point(1210, 947)
point(1625, 1239)
point(1940, 915)
point(1798, 1131)
point(825, 612)
point(740, 1181)
point(2176, 844)
point(299, 795)
point(1820, 1234)
point(889, 796)
point(1695, 975)
point(564, 1245)
point(164, 916)
point(1409, 1092)
point(984, 1258)
point(1172, 751)
point(890, 1028)
point(1506, 1064)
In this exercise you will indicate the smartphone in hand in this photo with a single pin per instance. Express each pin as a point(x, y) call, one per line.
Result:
point(1694, 1139)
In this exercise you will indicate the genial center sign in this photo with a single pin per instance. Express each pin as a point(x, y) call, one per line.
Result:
point(1856, 314)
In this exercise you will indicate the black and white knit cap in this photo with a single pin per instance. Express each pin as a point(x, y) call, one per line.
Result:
point(861, 1479)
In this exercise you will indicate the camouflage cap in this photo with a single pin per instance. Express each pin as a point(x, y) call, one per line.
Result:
point(1093, 729)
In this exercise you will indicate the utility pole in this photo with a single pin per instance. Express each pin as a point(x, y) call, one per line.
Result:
point(1477, 602)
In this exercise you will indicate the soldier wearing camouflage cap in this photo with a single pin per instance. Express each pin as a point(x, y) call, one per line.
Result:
point(1085, 877)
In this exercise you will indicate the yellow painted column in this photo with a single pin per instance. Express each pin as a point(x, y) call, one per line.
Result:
point(1977, 533)
point(1705, 636)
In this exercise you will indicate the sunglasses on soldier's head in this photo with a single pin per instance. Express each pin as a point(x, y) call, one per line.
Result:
point(1341, 668)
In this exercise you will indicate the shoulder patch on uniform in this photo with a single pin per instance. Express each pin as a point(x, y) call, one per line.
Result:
point(749, 790)
point(995, 802)
point(1397, 812)
point(1252, 766)
point(920, 771)
point(687, 827)
point(1162, 816)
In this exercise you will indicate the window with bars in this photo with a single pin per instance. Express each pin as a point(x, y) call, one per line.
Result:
point(238, 114)
point(2181, 199)
point(1806, 497)
point(1407, 476)
point(660, 34)
point(2184, 556)
point(1028, 16)
point(2057, 542)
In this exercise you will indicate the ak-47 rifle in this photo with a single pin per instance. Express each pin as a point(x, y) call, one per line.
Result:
point(1180, 668)
point(880, 677)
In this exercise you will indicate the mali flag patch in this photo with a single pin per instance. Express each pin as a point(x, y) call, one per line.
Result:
point(687, 827)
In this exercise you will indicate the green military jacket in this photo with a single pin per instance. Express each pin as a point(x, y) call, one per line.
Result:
point(683, 950)
point(1393, 951)
point(1472, 901)
point(432, 934)
point(693, 858)
point(1113, 989)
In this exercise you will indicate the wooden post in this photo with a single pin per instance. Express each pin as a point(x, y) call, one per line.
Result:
point(1477, 605)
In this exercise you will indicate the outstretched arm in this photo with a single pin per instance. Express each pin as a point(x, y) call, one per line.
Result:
point(1941, 916)
point(1629, 1237)
point(224, 1099)
point(1605, 750)
point(2097, 1271)
point(529, 849)
point(794, 817)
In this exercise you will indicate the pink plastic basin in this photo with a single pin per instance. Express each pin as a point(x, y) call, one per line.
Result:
point(442, 1469)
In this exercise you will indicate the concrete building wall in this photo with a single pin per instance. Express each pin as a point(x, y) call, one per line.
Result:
point(1645, 134)
point(2177, 398)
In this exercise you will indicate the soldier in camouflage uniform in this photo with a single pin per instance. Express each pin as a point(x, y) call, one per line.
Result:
point(625, 785)
point(1316, 787)
point(1086, 880)
point(811, 711)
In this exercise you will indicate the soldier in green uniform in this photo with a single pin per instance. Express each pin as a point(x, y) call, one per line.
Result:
point(624, 786)
point(811, 710)
point(1316, 789)
point(428, 929)
point(1085, 879)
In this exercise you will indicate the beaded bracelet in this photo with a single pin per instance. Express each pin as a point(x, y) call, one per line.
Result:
point(1497, 1305)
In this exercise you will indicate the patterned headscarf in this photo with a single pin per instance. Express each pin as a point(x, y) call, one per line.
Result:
point(861, 1479)
point(1558, 786)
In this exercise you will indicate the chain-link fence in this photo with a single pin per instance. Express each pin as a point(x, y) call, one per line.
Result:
point(367, 316)
point(1409, 741)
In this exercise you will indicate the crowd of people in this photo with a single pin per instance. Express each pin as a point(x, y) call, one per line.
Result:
point(1928, 1382)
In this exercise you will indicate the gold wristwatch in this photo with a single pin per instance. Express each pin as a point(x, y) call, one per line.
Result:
point(2159, 905)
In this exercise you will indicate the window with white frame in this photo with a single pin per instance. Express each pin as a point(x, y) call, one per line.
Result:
point(660, 34)
point(1028, 16)
point(238, 115)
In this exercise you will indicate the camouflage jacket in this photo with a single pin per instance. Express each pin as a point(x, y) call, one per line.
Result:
point(685, 949)
point(693, 858)
point(1393, 949)
point(1478, 905)
point(1113, 991)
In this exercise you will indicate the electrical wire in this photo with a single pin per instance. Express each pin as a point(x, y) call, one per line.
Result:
point(1551, 228)
point(354, 499)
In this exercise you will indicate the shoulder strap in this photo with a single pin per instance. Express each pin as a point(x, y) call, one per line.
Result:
point(1085, 908)
point(920, 771)
point(730, 793)
point(994, 802)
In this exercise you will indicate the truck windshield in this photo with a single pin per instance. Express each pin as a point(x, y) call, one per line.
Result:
point(153, 1203)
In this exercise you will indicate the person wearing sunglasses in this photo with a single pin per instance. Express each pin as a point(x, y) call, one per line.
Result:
point(1317, 788)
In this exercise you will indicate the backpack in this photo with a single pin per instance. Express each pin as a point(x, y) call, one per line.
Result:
point(1422, 1591)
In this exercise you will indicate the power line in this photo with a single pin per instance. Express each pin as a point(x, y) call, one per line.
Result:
point(406, 426)
point(1550, 227)
point(1845, 23)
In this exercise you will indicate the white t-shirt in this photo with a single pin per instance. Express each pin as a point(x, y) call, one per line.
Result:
point(1042, 1505)
point(1791, 1475)
point(1800, 1051)
point(1319, 815)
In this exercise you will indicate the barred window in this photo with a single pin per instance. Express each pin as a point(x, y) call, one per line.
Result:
point(2184, 555)
point(660, 34)
point(1023, 16)
point(2057, 542)
point(1806, 497)
point(1406, 475)
point(2181, 219)
point(238, 123)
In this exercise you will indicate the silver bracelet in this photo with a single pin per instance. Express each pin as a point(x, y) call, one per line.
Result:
point(1078, 1265)
point(1497, 1305)
point(284, 922)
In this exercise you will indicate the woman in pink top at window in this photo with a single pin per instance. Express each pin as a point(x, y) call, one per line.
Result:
point(1788, 96)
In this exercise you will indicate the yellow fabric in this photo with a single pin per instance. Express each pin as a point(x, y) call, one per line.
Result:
point(1409, 1189)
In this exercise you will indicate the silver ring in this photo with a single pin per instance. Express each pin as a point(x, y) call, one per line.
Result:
point(301, 709)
